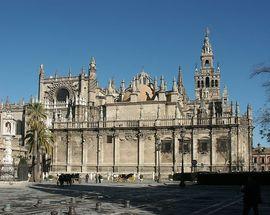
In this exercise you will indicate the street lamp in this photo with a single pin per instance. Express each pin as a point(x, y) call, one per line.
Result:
point(158, 148)
point(182, 135)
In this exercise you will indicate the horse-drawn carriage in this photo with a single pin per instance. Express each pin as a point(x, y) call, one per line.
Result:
point(124, 178)
point(69, 179)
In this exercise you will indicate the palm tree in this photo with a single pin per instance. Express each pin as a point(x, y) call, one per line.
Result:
point(38, 137)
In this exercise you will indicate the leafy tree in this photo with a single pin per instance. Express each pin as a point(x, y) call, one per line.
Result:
point(38, 137)
point(264, 116)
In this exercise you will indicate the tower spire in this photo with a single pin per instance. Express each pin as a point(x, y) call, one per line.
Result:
point(92, 68)
point(207, 52)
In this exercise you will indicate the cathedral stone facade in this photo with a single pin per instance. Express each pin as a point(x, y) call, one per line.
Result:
point(144, 127)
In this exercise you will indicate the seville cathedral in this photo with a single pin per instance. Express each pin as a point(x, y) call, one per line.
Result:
point(141, 127)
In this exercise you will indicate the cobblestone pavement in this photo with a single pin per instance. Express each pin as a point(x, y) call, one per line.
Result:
point(144, 199)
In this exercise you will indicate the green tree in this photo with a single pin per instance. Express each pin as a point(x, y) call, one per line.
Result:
point(38, 137)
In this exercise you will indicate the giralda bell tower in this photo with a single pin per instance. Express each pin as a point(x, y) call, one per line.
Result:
point(207, 80)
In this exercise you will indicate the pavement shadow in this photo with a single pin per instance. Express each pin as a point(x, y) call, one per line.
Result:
point(157, 199)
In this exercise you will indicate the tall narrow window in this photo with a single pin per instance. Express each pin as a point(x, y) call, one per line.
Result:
point(255, 160)
point(207, 82)
point(198, 84)
point(202, 84)
point(212, 83)
point(186, 146)
point(206, 64)
point(109, 138)
point(166, 146)
point(19, 127)
point(216, 83)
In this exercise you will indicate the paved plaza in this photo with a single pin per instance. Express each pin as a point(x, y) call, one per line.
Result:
point(146, 198)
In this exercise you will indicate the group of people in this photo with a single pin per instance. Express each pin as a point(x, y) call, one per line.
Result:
point(98, 178)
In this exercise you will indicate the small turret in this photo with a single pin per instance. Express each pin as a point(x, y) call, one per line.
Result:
point(41, 72)
point(218, 68)
point(155, 84)
point(110, 88)
point(180, 78)
point(174, 86)
point(122, 87)
point(249, 111)
point(69, 72)
point(162, 84)
point(232, 112)
point(82, 71)
point(133, 86)
point(177, 112)
point(237, 110)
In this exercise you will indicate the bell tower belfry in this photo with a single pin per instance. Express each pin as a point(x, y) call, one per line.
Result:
point(92, 82)
point(207, 80)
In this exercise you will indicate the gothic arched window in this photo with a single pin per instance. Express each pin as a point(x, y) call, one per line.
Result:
point(202, 84)
point(204, 145)
point(166, 146)
point(207, 82)
point(144, 80)
point(18, 127)
point(62, 94)
point(212, 83)
point(206, 64)
point(186, 146)
point(216, 83)
point(198, 84)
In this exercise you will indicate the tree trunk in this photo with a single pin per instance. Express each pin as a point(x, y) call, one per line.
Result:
point(36, 167)
point(34, 157)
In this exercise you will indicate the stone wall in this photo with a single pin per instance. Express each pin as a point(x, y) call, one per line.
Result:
point(128, 150)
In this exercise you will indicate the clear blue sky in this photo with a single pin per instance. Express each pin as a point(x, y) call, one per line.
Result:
point(126, 35)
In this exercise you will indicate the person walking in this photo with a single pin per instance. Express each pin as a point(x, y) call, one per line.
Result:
point(99, 178)
point(86, 178)
point(96, 177)
point(252, 196)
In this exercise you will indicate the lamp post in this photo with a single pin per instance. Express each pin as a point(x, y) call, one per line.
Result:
point(158, 148)
point(182, 135)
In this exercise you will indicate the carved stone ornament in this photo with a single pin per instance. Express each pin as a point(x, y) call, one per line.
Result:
point(72, 87)
point(140, 135)
point(128, 136)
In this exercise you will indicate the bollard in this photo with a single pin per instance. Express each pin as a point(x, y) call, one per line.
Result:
point(72, 200)
point(7, 208)
point(54, 212)
point(71, 210)
point(39, 202)
point(127, 204)
point(98, 206)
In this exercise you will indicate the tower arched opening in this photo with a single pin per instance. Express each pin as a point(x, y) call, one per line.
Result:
point(207, 82)
point(62, 94)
